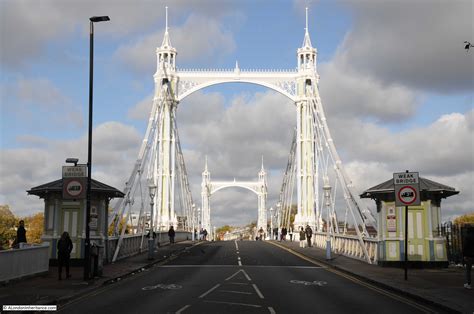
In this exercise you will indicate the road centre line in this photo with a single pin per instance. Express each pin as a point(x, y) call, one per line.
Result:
point(236, 246)
point(182, 309)
point(209, 291)
point(358, 281)
point(233, 303)
point(258, 291)
point(240, 263)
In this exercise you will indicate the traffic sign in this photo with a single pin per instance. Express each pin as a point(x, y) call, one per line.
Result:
point(74, 188)
point(75, 171)
point(407, 189)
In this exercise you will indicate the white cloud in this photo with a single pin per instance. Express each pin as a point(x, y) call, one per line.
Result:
point(413, 43)
point(199, 38)
point(115, 148)
point(37, 24)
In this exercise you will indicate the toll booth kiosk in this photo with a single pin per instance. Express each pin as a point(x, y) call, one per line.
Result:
point(426, 245)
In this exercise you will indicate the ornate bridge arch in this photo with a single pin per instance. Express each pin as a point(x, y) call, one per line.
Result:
point(190, 81)
point(209, 187)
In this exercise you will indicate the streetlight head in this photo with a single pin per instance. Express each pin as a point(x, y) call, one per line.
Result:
point(99, 18)
point(152, 189)
point(72, 161)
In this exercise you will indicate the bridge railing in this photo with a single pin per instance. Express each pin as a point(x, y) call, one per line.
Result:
point(131, 244)
point(28, 260)
point(348, 245)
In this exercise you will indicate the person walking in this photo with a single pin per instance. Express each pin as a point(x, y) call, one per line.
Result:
point(204, 234)
point(468, 253)
point(20, 234)
point(283, 234)
point(309, 234)
point(291, 234)
point(302, 237)
point(260, 233)
point(64, 248)
point(171, 234)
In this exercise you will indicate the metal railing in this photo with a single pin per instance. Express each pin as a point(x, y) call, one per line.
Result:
point(348, 245)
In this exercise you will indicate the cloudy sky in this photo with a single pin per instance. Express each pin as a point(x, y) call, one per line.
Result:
point(396, 84)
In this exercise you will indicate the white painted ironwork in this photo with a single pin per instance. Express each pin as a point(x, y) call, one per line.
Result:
point(209, 187)
point(312, 156)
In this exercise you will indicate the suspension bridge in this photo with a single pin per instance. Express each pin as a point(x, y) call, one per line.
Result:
point(314, 180)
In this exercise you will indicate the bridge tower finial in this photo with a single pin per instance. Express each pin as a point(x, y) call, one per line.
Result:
point(307, 54)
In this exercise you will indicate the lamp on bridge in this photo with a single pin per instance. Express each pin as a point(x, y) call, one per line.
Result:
point(151, 239)
point(271, 223)
point(193, 218)
point(89, 146)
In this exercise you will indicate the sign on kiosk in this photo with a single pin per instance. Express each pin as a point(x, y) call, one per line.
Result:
point(407, 189)
point(74, 182)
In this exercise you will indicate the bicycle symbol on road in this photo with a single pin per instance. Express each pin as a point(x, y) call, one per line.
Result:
point(163, 286)
point(309, 283)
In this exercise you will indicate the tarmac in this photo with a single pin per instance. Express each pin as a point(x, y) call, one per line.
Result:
point(442, 288)
point(439, 287)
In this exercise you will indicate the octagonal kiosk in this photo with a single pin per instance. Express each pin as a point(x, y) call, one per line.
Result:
point(69, 215)
point(426, 245)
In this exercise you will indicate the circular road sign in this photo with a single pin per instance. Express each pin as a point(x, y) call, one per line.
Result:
point(74, 188)
point(407, 195)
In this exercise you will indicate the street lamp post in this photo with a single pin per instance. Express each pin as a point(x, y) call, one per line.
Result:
point(271, 223)
point(89, 147)
point(151, 239)
point(193, 221)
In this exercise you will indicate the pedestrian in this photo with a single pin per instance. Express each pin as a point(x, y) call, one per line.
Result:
point(260, 233)
point(64, 248)
point(468, 253)
point(291, 234)
point(283, 234)
point(204, 234)
point(195, 234)
point(20, 234)
point(171, 234)
point(309, 234)
point(302, 237)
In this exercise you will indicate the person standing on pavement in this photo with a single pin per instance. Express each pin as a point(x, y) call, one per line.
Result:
point(302, 237)
point(291, 234)
point(64, 248)
point(283, 234)
point(468, 253)
point(309, 234)
point(171, 234)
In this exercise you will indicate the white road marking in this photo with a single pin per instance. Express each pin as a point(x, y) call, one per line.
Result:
point(240, 263)
point(238, 252)
point(236, 245)
point(234, 303)
point(235, 274)
point(246, 275)
point(258, 291)
point(272, 311)
point(181, 310)
point(232, 291)
point(238, 258)
point(209, 291)
point(238, 283)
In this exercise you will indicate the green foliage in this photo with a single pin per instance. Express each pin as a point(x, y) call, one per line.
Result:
point(8, 222)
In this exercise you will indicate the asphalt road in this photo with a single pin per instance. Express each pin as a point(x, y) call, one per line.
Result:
point(241, 277)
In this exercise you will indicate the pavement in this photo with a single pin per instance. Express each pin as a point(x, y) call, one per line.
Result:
point(438, 288)
point(48, 290)
point(442, 288)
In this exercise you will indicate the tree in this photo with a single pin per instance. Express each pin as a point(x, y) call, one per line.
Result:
point(464, 219)
point(35, 226)
point(222, 230)
point(8, 221)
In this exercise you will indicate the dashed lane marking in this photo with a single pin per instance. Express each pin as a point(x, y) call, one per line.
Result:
point(236, 246)
point(272, 311)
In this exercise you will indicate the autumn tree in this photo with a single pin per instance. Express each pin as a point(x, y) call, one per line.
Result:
point(8, 222)
point(464, 219)
point(34, 226)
